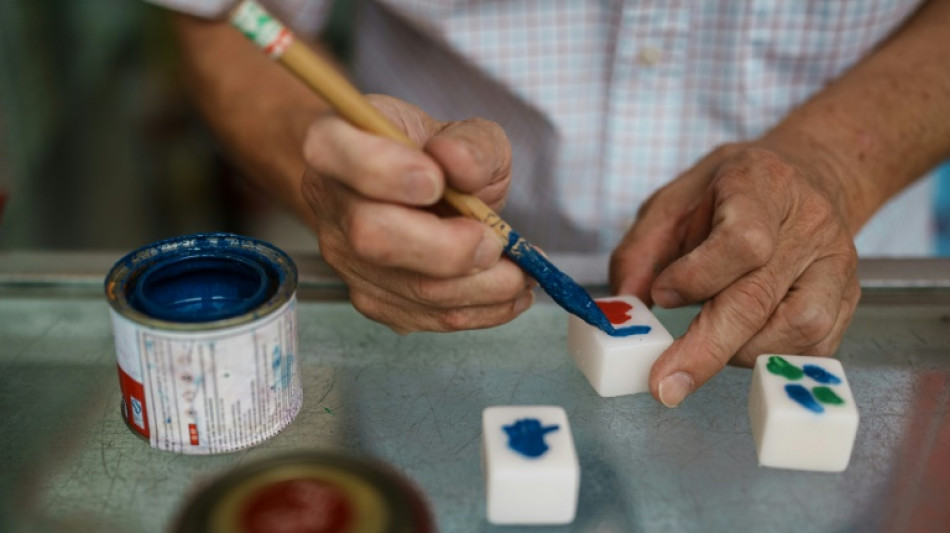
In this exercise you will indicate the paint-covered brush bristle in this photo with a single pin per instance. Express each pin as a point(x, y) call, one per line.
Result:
point(562, 289)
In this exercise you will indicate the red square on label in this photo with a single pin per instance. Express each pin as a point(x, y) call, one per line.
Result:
point(133, 396)
point(193, 433)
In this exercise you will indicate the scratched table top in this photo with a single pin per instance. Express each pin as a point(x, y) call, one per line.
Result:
point(70, 464)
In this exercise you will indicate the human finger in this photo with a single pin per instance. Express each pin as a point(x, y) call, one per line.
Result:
point(829, 345)
point(501, 283)
point(672, 221)
point(745, 225)
point(809, 314)
point(476, 156)
point(404, 315)
point(374, 166)
point(725, 323)
point(397, 236)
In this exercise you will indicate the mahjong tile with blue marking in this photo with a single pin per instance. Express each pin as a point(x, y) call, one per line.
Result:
point(802, 413)
point(532, 475)
point(616, 365)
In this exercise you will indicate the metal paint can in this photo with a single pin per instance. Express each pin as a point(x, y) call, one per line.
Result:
point(309, 492)
point(205, 331)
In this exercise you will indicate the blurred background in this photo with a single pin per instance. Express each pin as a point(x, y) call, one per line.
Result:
point(101, 149)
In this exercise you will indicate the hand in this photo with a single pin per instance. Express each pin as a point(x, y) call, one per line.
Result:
point(761, 238)
point(373, 199)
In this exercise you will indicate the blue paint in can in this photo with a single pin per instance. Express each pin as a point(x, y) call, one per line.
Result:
point(202, 278)
point(201, 288)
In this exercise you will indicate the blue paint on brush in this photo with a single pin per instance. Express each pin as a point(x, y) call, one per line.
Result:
point(803, 397)
point(821, 375)
point(562, 289)
point(526, 436)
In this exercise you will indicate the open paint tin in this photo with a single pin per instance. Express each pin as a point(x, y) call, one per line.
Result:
point(205, 333)
point(311, 492)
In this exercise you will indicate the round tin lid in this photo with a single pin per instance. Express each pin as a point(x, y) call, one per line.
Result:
point(312, 492)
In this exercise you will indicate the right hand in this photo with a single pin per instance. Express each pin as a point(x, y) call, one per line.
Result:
point(406, 266)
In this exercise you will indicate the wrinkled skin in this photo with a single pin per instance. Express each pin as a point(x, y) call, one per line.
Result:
point(404, 266)
point(759, 238)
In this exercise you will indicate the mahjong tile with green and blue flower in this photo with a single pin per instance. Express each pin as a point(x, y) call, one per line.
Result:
point(802, 413)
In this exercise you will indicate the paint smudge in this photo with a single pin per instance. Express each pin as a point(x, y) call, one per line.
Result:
point(821, 375)
point(803, 397)
point(827, 396)
point(778, 365)
point(526, 436)
point(328, 410)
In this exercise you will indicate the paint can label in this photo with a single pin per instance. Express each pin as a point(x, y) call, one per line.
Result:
point(204, 392)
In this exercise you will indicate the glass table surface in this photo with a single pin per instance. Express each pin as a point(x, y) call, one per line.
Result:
point(69, 463)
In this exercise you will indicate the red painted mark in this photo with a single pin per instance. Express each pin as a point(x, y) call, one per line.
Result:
point(617, 311)
point(193, 434)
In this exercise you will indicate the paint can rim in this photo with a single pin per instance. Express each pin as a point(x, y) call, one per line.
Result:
point(122, 280)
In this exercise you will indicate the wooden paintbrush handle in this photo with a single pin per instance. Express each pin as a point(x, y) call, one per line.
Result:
point(324, 78)
point(327, 81)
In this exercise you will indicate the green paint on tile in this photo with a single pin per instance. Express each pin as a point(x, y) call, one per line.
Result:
point(780, 366)
point(827, 396)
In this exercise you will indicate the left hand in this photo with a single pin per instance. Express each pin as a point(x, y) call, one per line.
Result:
point(761, 237)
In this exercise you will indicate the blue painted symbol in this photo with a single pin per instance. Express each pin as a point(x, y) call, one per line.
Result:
point(526, 436)
point(821, 375)
point(802, 396)
point(630, 330)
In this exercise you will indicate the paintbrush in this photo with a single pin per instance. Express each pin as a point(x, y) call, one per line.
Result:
point(321, 76)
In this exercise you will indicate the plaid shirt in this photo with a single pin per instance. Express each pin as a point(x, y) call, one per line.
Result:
point(605, 101)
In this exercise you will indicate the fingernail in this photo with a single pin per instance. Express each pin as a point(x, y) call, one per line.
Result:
point(488, 252)
point(420, 187)
point(668, 298)
point(524, 302)
point(675, 388)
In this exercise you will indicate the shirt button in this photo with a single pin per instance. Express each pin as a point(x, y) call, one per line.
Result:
point(649, 56)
